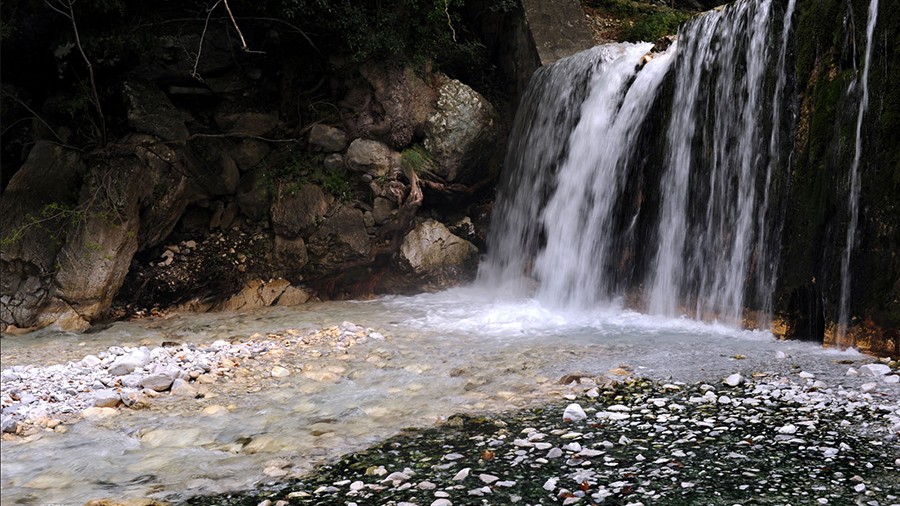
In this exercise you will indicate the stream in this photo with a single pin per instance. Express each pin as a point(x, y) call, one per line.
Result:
point(464, 350)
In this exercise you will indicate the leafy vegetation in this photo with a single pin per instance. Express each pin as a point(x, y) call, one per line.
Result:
point(653, 26)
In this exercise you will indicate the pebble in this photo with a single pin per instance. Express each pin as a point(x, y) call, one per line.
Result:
point(574, 413)
point(102, 380)
point(874, 370)
point(462, 475)
point(734, 380)
point(441, 502)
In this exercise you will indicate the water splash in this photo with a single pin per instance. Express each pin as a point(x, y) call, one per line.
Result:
point(853, 202)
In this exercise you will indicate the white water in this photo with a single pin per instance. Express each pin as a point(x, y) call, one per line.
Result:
point(577, 219)
point(561, 231)
point(704, 255)
point(853, 201)
point(464, 350)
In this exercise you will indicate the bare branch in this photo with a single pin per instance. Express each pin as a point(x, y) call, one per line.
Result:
point(449, 21)
point(37, 117)
point(244, 45)
point(194, 73)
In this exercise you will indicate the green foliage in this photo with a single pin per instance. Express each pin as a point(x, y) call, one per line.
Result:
point(417, 158)
point(51, 220)
point(652, 27)
point(302, 167)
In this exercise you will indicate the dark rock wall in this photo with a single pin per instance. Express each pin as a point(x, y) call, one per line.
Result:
point(830, 44)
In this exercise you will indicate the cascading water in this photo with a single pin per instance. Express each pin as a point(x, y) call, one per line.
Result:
point(853, 202)
point(706, 230)
point(705, 250)
point(574, 134)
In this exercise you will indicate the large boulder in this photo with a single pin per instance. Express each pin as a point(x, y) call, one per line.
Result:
point(34, 210)
point(431, 248)
point(461, 135)
point(406, 98)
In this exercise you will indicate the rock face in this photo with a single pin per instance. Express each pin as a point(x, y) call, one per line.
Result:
point(93, 237)
point(461, 133)
point(430, 247)
point(223, 181)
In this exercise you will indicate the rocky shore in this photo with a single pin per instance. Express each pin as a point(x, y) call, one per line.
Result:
point(51, 397)
point(763, 439)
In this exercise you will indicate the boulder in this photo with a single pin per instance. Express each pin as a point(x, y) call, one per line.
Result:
point(151, 112)
point(248, 153)
point(99, 248)
point(461, 135)
point(293, 296)
point(374, 158)
point(297, 212)
point(431, 247)
point(406, 99)
point(327, 138)
point(341, 237)
point(252, 197)
point(290, 254)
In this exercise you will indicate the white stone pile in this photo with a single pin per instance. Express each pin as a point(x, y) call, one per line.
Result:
point(48, 397)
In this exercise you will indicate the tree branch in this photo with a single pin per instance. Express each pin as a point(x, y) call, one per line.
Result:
point(194, 73)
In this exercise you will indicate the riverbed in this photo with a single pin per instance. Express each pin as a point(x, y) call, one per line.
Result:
point(460, 351)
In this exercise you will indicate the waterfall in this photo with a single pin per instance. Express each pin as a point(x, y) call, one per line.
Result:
point(573, 134)
point(853, 201)
point(706, 232)
point(767, 265)
point(695, 231)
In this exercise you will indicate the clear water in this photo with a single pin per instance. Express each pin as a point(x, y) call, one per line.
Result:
point(464, 350)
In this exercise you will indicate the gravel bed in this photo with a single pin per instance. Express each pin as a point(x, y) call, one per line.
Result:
point(35, 398)
point(763, 439)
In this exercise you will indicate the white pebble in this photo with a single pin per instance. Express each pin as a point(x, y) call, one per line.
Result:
point(574, 413)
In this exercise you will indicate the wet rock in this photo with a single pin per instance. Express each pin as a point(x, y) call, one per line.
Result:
point(327, 138)
point(431, 246)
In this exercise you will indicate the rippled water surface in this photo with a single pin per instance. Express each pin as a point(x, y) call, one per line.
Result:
point(456, 351)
